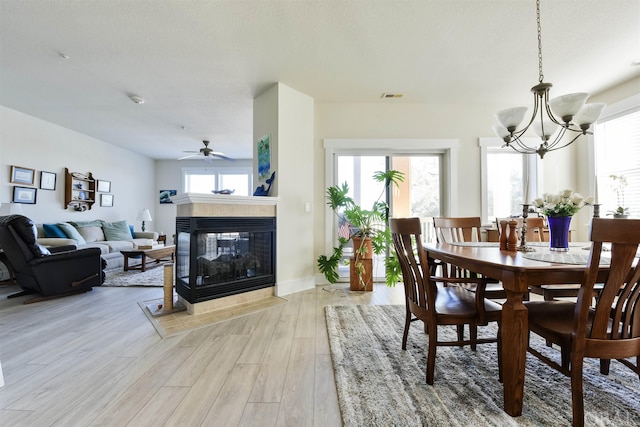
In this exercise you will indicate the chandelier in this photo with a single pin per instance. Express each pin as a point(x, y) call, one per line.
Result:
point(566, 113)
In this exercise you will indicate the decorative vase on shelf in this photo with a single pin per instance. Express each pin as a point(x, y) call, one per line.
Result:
point(559, 233)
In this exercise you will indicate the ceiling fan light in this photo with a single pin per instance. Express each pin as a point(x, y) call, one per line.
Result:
point(510, 118)
point(549, 129)
point(589, 113)
point(567, 106)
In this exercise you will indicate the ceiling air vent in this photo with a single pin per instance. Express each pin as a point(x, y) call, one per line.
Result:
point(387, 95)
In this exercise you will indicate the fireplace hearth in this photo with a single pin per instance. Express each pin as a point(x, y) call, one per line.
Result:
point(221, 256)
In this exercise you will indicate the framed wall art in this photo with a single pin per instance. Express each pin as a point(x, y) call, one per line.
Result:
point(104, 186)
point(24, 195)
point(106, 200)
point(20, 175)
point(165, 195)
point(47, 180)
point(264, 157)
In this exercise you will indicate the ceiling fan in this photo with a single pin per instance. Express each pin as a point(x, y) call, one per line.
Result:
point(207, 153)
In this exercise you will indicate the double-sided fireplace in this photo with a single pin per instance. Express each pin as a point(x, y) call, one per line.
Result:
point(221, 256)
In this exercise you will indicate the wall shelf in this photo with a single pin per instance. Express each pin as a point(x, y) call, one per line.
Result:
point(79, 190)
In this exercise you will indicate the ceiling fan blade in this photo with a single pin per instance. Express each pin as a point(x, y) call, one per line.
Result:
point(222, 156)
point(191, 151)
point(189, 156)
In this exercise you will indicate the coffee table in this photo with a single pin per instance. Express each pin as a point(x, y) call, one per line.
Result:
point(158, 255)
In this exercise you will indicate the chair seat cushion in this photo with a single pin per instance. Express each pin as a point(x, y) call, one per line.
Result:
point(456, 301)
point(554, 319)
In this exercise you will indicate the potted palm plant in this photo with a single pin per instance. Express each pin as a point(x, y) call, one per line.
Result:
point(368, 231)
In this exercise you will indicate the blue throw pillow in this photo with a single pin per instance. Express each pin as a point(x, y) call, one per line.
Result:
point(72, 233)
point(116, 231)
point(53, 230)
point(133, 233)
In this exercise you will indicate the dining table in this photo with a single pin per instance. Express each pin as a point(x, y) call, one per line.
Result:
point(517, 270)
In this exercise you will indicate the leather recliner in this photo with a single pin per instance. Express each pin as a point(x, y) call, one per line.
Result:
point(50, 273)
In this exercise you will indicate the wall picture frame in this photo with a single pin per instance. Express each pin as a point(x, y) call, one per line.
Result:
point(104, 186)
point(165, 196)
point(106, 200)
point(26, 195)
point(47, 180)
point(20, 175)
point(264, 157)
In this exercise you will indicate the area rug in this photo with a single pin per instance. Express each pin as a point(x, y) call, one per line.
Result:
point(379, 384)
point(152, 277)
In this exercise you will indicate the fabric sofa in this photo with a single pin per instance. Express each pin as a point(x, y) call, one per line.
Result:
point(109, 237)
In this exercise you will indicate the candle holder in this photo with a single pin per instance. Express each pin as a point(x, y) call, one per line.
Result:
point(523, 238)
point(596, 210)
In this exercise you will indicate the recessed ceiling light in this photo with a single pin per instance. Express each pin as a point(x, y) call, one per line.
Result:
point(63, 55)
point(137, 99)
point(386, 95)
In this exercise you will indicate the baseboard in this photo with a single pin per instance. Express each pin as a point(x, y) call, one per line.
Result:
point(296, 285)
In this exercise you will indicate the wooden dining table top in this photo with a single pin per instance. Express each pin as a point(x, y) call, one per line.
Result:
point(517, 271)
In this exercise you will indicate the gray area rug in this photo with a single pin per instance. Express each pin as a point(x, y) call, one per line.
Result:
point(380, 385)
point(152, 277)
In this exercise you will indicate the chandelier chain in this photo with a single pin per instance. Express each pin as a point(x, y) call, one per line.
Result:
point(540, 74)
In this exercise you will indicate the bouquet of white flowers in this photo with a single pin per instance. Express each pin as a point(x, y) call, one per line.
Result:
point(565, 203)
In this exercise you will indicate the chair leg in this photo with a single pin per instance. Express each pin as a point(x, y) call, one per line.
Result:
point(460, 329)
point(577, 400)
point(431, 353)
point(500, 352)
point(473, 336)
point(407, 322)
point(565, 354)
point(604, 366)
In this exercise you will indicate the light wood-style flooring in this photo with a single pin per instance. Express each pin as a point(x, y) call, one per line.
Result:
point(95, 360)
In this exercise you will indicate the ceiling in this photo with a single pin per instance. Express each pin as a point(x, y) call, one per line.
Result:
point(198, 64)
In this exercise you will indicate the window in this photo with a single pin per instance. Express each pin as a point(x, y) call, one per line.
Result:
point(206, 180)
point(504, 180)
point(617, 153)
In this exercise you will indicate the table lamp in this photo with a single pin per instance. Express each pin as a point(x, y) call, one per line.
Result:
point(143, 216)
point(10, 209)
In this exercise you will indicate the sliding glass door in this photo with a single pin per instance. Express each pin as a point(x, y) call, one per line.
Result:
point(419, 195)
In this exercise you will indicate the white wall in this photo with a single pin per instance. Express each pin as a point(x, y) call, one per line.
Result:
point(33, 143)
point(287, 115)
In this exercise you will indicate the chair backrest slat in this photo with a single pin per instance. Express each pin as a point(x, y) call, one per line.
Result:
point(617, 308)
point(461, 229)
point(406, 235)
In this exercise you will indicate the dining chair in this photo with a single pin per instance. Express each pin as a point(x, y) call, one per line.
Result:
point(535, 227)
point(465, 229)
point(605, 328)
point(427, 298)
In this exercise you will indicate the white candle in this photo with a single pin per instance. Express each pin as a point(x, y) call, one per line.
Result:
point(526, 186)
point(595, 197)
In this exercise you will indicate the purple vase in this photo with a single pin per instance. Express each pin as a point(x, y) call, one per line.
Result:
point(559, 233)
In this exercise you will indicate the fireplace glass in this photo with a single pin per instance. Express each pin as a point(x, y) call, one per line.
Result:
point(223, 256)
